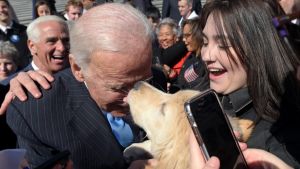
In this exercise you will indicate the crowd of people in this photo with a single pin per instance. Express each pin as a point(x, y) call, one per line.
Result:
point(65, 77)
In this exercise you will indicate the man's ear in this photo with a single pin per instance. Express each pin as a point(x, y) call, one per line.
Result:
point(191, 7)
point(76, 70)
point(32, 47)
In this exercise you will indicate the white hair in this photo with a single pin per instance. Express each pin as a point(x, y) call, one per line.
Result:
point(170, 22)
point(112, 27)
point(33, 31)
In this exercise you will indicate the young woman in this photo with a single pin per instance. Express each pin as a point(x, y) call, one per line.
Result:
point(193, 74)
point(42, 8)
point(253, 70)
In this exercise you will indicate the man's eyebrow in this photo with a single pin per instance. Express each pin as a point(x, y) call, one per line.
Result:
point(51, 39)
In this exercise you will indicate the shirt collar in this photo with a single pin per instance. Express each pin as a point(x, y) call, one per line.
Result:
point(66, 16)
point(237, 100)
point(34, 66)
point(4, 28)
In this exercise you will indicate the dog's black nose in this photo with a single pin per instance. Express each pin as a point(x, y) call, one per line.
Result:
point(137, 85)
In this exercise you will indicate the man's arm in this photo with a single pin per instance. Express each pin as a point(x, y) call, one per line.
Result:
point(26, 81)
point(36, 151)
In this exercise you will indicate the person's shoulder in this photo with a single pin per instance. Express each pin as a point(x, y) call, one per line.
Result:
point(60, 88)
point(65, 74)
point(19, 26)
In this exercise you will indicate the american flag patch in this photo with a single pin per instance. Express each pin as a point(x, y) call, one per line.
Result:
point(190, 74)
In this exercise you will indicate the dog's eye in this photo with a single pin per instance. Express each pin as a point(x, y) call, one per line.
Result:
point(162, 108)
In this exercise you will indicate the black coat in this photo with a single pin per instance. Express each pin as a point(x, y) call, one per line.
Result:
point(279, 138)
point(193, 74)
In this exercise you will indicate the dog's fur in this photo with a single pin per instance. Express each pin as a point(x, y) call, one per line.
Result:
point(163, 118)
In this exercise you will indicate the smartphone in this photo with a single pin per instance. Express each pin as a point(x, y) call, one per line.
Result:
point(213, 130)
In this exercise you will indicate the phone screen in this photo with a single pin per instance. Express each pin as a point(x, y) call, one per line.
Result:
point(214, 133)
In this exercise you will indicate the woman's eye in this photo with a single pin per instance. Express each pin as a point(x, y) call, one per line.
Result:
point(221, 46)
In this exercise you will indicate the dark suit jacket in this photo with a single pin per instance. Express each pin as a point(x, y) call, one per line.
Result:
point(141, 5)
point(170, 9)
point(65, 118)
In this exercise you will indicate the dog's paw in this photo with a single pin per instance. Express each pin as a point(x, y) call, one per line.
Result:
point(137, 151)
point(242, 127)
point(246, 128)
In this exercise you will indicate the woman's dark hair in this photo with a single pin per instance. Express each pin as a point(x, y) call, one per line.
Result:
point(266, 58)
point(153, 12)
point(196, 32)
point(38, 4)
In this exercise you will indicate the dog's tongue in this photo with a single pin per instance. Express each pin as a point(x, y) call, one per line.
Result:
point(118, 114)
point(125, 100)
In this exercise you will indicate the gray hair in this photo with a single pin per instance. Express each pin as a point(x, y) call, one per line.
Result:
point(189, 2)
point(170, 22)
point(33, 31)
point(112, 27)
point(7, 49)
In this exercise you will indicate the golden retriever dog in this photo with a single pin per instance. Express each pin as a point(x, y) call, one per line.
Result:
point(163, 118)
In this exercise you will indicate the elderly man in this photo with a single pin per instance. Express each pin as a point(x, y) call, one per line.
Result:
point(48, 42)
point(185, 9)
point(106, 60)
point(73, 10)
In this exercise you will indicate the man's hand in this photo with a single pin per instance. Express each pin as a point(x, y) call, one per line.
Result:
point(26, 80)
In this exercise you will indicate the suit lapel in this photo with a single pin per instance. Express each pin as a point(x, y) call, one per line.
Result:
point(87, 121)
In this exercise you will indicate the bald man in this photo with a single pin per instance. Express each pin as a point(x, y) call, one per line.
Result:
point(73, 114)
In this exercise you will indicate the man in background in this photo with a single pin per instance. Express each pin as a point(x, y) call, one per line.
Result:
point(73, 10)
point(185, 8)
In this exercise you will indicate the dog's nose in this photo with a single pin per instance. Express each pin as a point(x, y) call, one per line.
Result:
point(137, 85)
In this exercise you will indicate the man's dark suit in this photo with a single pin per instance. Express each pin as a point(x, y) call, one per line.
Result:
point(170, 9)
point(65, 117)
